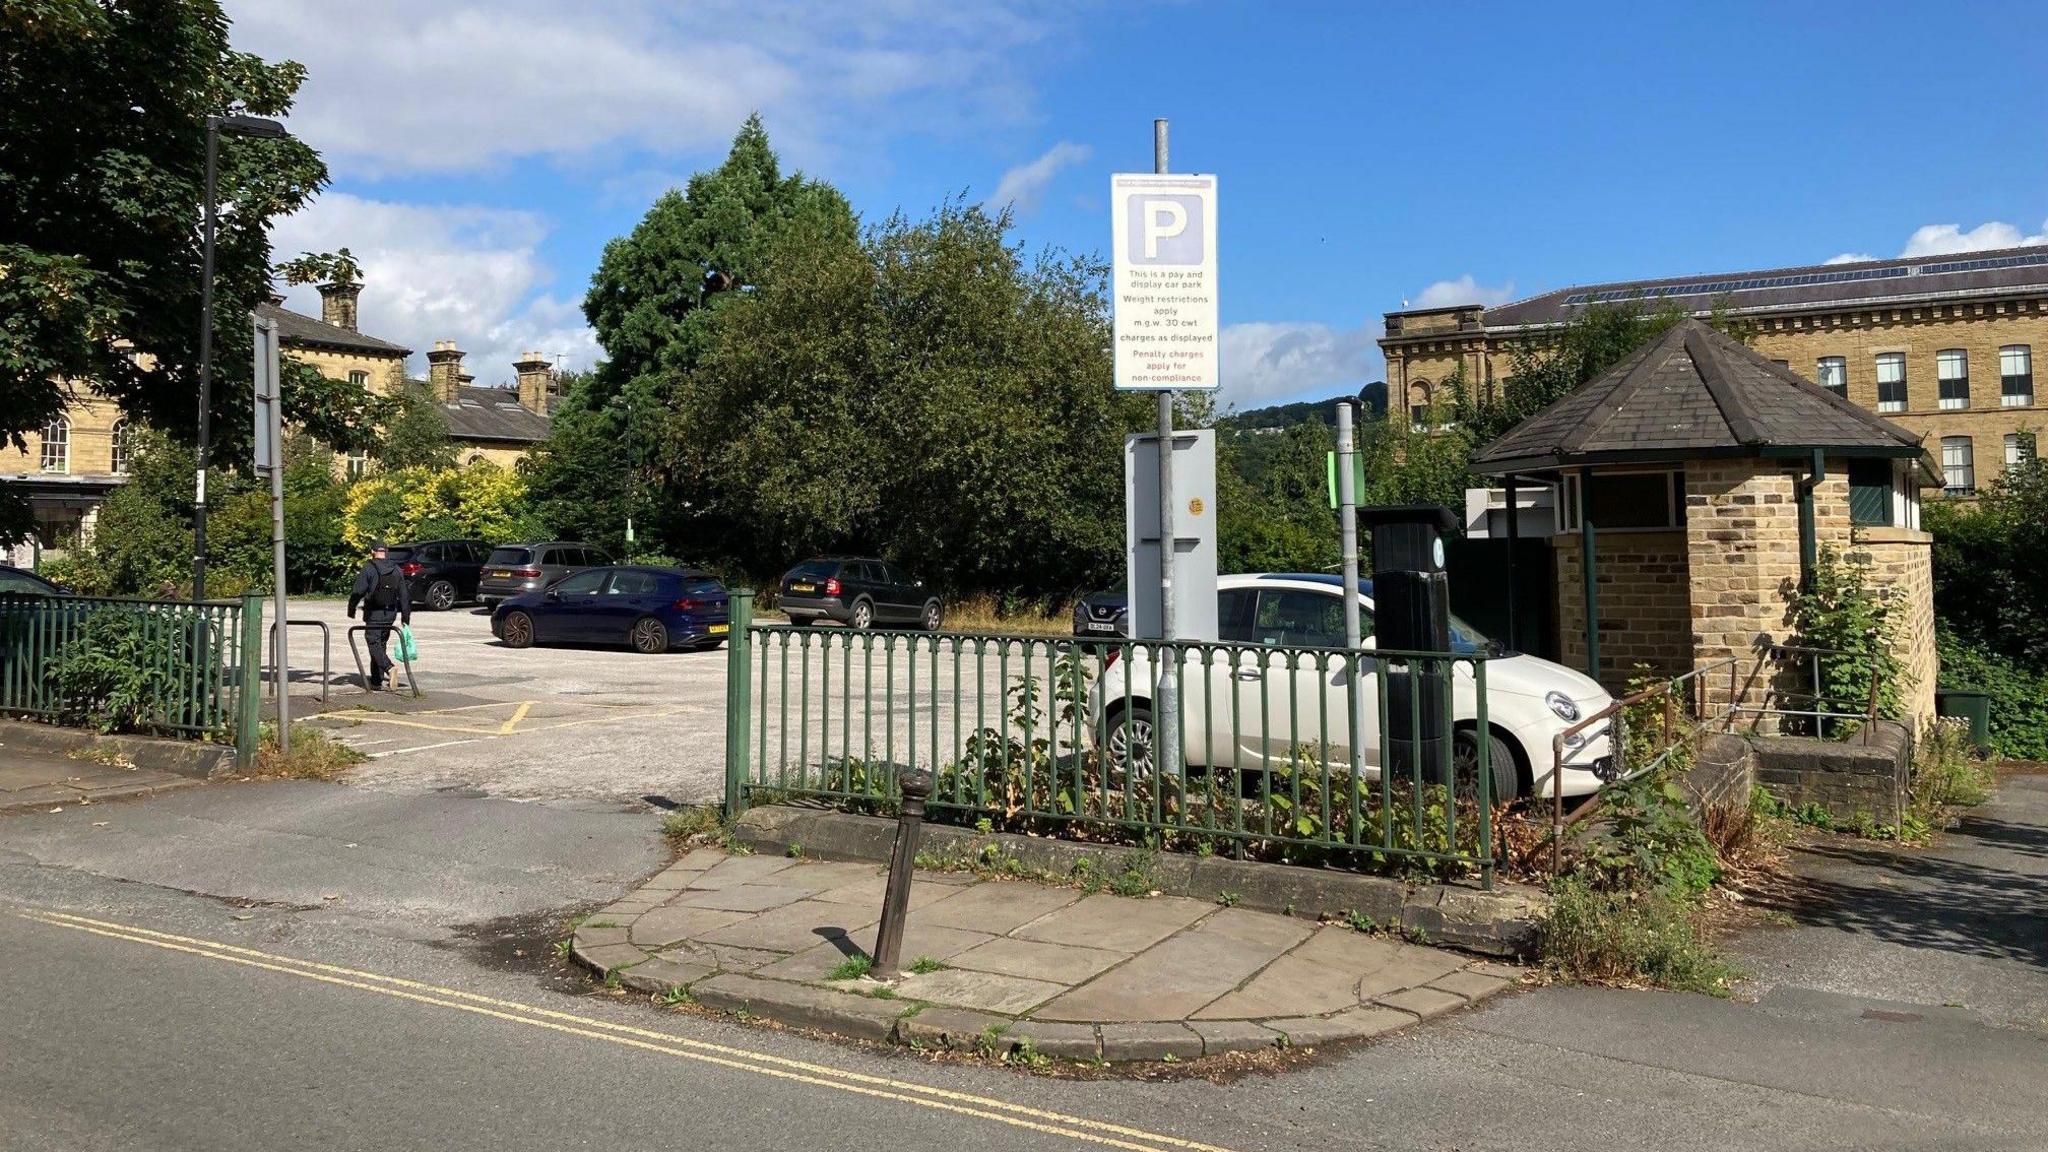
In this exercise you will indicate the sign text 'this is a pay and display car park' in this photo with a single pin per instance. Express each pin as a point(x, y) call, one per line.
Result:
point(1163, 233)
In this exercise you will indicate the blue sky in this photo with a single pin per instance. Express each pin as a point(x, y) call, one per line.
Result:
point(1367, 155)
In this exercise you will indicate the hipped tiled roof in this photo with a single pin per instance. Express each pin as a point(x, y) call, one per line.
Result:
point(1694, 393)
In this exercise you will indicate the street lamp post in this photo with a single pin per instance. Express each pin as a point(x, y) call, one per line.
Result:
point(235, 125)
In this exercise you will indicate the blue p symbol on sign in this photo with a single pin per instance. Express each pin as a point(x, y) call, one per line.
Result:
point(1164, 229)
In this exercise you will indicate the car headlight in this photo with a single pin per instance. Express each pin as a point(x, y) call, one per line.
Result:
point(1566, 708)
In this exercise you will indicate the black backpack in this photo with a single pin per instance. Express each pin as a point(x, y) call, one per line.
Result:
point(384, 593)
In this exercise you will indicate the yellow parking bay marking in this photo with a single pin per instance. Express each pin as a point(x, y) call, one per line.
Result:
point(1022, 1116)
point(519, 714)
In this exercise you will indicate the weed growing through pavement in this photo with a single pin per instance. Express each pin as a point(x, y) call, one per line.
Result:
point(673, 996)
point(924, 964)
point(851, 968)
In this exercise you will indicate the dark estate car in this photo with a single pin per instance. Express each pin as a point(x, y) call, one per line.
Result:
point(859, 592)
point(1103, 614)
point(442, 573)
point(16, 582)
point(649, 609)
point(515, 569)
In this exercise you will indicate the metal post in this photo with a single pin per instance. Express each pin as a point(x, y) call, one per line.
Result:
point(1514, 546)
point(916, 786)
point(1587, 577)
point(739, 696)
point(271, 396)
point(205, 363)
point(1166, 727)
point(1347, 537)
point(249, 702)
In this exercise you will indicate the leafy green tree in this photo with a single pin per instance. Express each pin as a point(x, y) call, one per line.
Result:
point(648, 302)
point(926, 393)
point(1991, 565)
point(415, 433)
point(102, 147)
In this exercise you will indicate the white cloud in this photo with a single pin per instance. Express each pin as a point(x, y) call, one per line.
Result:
point(1463, 290)
point(1266, 363)
point(1946, 239)
point(397, 87)
point(443, 272)
point(1942, 239)
point(1023, 188)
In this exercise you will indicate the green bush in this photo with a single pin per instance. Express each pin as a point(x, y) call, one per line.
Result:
point(1858, 625)
point(123, 672)
point(2019, 695)
point(1629, 937)
point(1648, 842)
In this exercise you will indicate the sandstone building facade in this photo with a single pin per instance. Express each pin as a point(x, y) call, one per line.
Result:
point(71, 466)
point(1943, 346)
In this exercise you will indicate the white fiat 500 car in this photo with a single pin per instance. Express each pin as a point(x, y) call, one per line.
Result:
point(1252, 714)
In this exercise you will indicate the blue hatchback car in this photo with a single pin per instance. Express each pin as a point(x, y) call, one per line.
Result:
point(647, 609)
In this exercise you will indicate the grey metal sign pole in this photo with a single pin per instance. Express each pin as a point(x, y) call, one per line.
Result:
point(1347, 537)
point(1166, 725)
point(270, 457)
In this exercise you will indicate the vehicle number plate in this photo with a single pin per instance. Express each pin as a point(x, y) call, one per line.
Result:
point(719, 629)
point(803, 587)
point(500, 572)
point(1096, 626)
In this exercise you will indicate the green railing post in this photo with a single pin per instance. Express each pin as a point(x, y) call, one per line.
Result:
point(739, 697)
point(249, 703)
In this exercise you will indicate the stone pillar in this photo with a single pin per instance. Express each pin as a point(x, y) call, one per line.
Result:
point(535, 374)
point(444, 371)
point(338, 304)
point(1742, 545)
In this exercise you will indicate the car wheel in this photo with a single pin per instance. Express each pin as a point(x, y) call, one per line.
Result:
point(1505, 782)
point(440, 595)
point(517, 630)
point(862, 617)
point(1130, 736)
point(649, 636)
point(934, 616)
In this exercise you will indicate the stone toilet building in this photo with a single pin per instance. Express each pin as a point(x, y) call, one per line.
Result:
point(1697, 480)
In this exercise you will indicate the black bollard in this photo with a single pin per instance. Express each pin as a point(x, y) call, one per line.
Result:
point(916, 787)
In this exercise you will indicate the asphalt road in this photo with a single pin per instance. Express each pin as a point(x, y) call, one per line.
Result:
point(340, 966)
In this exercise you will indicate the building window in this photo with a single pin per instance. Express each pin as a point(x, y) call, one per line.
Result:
point(57, 445)
point(1870, 492)
point(1952, 376)
point(358, 463)
point(359, 379)
point(1420, 398)
point(2016, 375)
point(1891, 382)
point(1958, 467)
point(1834, 375)
point(124, 447)
point(1638, 501)
point(2019, 448)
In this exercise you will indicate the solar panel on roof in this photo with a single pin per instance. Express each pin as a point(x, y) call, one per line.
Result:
point(1761, 283)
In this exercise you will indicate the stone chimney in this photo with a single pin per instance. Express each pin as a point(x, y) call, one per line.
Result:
point(535, 374)
point(444, 371)
point(338, 304)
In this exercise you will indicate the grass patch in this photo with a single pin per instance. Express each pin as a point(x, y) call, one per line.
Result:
point(924, 964)
point(851, 968)
point(1630, 938)
point(984, 613)
point(314, 755)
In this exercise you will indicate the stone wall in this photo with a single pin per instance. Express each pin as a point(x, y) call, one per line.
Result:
point(1641, 581)
point(1901, 561)
point(1854, 779)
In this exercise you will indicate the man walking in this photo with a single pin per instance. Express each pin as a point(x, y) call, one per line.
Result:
point(380, 589)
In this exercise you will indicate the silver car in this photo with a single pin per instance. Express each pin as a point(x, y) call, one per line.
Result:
point(514, 569)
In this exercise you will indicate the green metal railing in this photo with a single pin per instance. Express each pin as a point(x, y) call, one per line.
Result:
point(158, 666)
point(1285, 746)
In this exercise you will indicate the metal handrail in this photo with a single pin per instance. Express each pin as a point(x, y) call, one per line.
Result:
point(326, 656)
point(362, 674)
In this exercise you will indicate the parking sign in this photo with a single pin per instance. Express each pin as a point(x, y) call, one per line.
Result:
point(1163, 235)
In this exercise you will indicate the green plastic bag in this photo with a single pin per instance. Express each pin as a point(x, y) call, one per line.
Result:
point(408, 648)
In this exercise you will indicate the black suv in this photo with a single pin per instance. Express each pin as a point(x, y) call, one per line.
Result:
point(859, 592)
point(441, 573)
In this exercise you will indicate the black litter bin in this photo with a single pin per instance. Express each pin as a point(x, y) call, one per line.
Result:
point(1968, 704)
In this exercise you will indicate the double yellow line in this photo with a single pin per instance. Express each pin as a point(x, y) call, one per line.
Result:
point(815, 1075)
